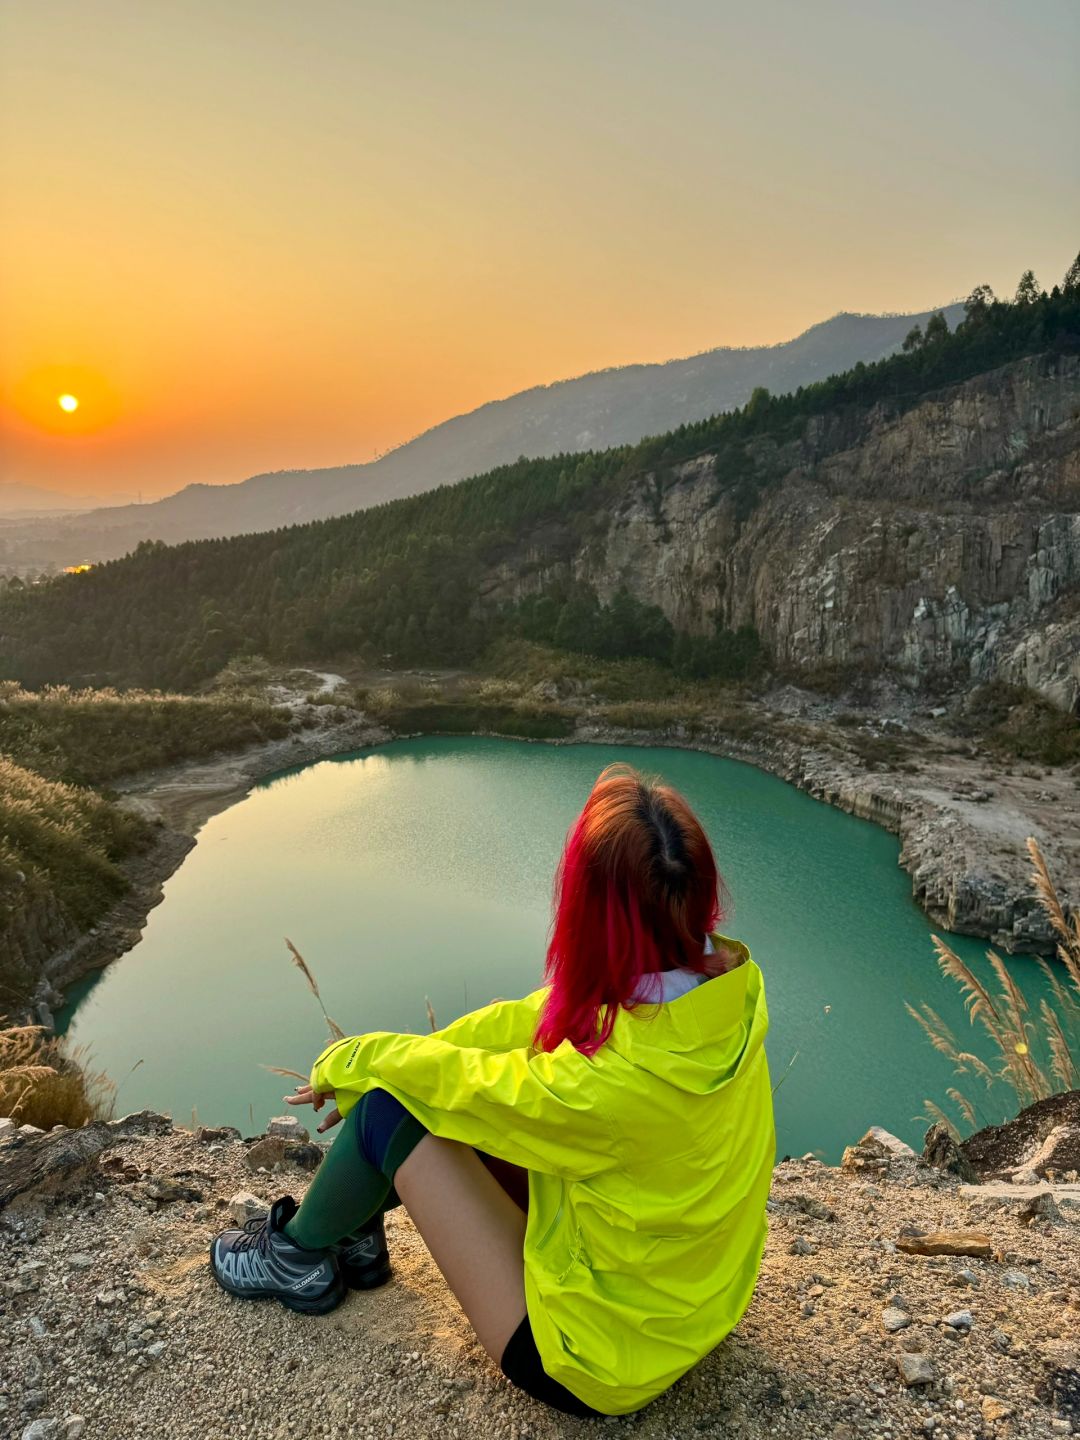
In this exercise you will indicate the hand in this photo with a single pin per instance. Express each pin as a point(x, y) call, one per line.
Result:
point(304, 1095)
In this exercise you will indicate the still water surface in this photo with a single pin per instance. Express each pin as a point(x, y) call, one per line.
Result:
point(423, 869)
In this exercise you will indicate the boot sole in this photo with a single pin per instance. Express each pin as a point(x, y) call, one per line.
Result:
point(358, 1280)
point(326, 1302)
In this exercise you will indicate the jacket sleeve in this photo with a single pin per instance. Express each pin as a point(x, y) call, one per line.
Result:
point(536, 1109)
point(502, 1025)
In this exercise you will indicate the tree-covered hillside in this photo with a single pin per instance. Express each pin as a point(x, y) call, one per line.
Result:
point(400, 581)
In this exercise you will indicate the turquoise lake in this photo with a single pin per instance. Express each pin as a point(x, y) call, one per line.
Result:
point(424, 868)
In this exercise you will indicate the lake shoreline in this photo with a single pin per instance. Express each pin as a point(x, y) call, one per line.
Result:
point(951, 835)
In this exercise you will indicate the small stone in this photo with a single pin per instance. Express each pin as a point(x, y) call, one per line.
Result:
point(33, 1402)
point(809, 1206)
point(81, 1262)
point(969, 1277)
point(1016, 1280)
point(216, 1135)
point(244, 1206)
point(166, 1189)
point(287, 1127)
point(74, 1425)
point(994, 1409)
point(1040, 1206)
point(8, 1128)
point(807, 1309)
point(1001, 1341)
point(42, 1430)
point(1061, 1427)
point(29, 1131)
point(156, 1350)
point(887, 1141)
point(915, 1368)
point(894, 1319)
point(802, 1246)
point(960, 1320)
point(265, 1154)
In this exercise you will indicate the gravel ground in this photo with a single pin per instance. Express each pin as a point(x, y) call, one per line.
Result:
point(111, 1327)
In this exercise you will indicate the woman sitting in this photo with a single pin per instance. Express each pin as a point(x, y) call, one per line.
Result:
point(588, 1166)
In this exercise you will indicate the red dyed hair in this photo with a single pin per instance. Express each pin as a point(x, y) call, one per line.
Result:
point(637, 890)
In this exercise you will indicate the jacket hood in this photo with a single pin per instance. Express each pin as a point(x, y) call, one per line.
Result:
point(700, 1042)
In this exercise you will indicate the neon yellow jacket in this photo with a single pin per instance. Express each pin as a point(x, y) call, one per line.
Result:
point(649, 1167)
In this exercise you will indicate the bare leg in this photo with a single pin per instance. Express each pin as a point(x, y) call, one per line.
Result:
point(475, 1232)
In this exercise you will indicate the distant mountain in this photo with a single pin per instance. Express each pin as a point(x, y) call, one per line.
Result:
point(18, 499)
point(592, 412)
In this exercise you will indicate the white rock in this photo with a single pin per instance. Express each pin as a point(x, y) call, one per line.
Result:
point(48, 1429)
point(8, 1128)
point(244, 1206)
point(997, 1192)
point(28, 1131)
point(287, 1127)
point(1016, 1280)
point(890, 1142)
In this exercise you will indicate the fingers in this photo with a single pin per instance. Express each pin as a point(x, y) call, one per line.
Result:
point(330, 1121)
point(304, 1095)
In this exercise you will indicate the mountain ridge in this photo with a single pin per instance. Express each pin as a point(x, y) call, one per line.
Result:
point(603, 408)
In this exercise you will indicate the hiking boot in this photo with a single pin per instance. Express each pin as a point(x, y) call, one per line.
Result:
point(260, 1261)
point(363, 1256)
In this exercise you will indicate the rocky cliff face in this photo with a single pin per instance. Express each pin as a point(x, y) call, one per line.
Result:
point(940, 541)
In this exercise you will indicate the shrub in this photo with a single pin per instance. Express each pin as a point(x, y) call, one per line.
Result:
point(1019, 723)
point(91, 737)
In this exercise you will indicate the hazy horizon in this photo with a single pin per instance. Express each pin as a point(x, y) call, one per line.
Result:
point(255, 237)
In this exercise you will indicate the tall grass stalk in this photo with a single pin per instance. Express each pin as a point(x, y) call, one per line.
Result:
point(1016, 1035)
point(336, 1032)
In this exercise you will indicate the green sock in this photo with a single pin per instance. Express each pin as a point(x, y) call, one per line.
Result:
point(348, 1190)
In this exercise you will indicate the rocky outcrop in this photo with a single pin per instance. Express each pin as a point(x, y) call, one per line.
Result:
point(1043, 1139)
point(940, 541)
point(892, 1300)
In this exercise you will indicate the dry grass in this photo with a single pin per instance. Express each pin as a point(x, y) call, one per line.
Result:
point(43, 1083)
point(336, 1032)
point(92, 737)
point(1017, 1036)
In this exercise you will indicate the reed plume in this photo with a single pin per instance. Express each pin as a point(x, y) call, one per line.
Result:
point(1006, 1020)
point(336, 1032)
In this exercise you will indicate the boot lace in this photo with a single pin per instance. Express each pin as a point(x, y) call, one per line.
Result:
point(256, 1234)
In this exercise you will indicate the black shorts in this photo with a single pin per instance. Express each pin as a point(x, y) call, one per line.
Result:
point(521, 1366)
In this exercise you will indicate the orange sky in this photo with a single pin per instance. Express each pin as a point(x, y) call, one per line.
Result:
point(254, 234)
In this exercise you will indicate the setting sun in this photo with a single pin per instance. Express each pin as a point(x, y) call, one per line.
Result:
point(67, 402)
